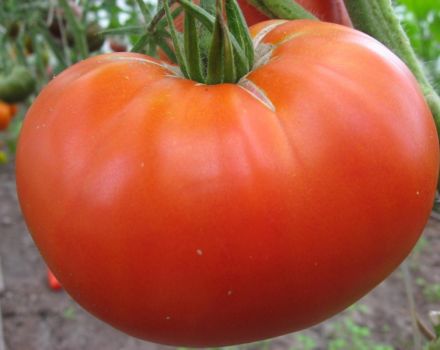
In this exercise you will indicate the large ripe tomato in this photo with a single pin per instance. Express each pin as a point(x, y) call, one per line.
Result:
point(203, 215)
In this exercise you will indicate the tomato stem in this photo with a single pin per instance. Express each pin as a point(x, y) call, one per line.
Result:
point(192, 50)
point(244, 64)
point(231, 53)
point(215, 58)
point(181, 59)
point(154, 32)
point(260, 6)
point(229, 71)
point(377, 18)
point(238, 27)
point(287, 9)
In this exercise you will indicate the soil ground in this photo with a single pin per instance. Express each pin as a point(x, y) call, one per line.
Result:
point(36, 318)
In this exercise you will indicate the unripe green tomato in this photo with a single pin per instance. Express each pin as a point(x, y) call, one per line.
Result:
point(95, 39)
point(28, 45)
point(16, 86)
point(12, 30)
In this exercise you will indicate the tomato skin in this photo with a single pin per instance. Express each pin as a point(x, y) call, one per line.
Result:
point(223, 221)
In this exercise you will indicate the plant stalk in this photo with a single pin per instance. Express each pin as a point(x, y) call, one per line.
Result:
point(78, 29)
point(287, 9)
point(411, 305)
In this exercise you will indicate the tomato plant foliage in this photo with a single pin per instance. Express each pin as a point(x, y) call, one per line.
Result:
point(203, 215)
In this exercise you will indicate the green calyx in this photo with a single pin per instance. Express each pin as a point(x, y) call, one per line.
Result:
point(229, 54)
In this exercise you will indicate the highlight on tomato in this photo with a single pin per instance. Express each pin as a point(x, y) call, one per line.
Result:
point(260, 187)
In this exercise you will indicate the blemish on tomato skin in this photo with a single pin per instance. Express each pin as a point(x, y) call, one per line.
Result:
point(168, 318)
point(417, 193)
point(229, 293)
point(199, 252)
point(142, 164)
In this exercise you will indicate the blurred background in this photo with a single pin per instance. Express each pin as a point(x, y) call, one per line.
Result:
point(40, 38)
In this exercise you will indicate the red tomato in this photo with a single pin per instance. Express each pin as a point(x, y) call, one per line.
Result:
point(117, 46)
point(4, 116)
point(204, 215)
point(7, 112)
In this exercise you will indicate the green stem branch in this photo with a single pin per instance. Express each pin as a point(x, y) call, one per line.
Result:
point(260, 6)
point(178, 49)
point(79, 33)
point(208, 20)
point(286, 9)
point(192, 50)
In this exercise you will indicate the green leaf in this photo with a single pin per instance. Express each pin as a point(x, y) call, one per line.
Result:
point(287, 9)
point(176, 12)
point(229, 72)
point(215, 58)
point(192, 50)
point(208, 6)
point(261, 7)
point(123, 30)
point(238, 28)
point(209, 21)
point(162, 42)
point(140, 45)
point(176, 42)
point(203, 16)
point(144, 10)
